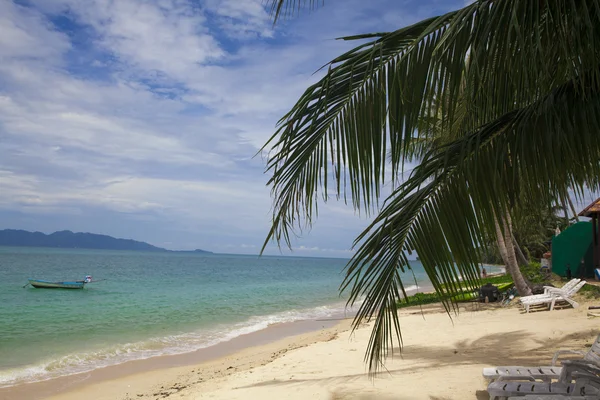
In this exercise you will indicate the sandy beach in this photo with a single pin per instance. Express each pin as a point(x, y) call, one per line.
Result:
point(442, 358)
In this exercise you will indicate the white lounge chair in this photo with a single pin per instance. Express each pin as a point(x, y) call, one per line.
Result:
point(551, 289)
point(552, 397)
point(552, 297)
point(579, 378)
point(541, 373)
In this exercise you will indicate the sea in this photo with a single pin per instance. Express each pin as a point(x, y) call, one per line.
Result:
point(148, 304)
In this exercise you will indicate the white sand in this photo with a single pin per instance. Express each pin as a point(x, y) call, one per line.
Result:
point(442, 359)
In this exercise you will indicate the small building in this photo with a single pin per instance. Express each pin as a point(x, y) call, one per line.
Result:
point(578, 246)
point(593, 211)
point(570, 247)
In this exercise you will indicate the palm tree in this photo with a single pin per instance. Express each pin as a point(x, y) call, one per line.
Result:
point(517, 86)
point(534, 226)
point(432, 137)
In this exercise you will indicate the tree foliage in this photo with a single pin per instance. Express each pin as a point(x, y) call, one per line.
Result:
point(535, 227)
point(515, 85)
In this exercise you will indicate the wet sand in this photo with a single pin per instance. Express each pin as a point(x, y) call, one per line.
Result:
point(274, 334)
point(273, 339)
point(329, 364)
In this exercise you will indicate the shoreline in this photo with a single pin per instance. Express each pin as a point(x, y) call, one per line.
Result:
point(272, 332)
point(325, 362)
point(42, 388)
point(329, 364)
point(178, 351)
point(307, 330)
point(275, 333)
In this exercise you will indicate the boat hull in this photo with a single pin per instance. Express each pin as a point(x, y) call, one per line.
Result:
point(56, 285)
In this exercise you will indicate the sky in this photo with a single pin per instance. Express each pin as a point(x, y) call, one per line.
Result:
point(143, 119)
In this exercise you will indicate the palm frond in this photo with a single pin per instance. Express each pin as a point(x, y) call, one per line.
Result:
point(341, 120)
point(284, 8)
point(514, 84)
point(376, 98)
point(452, 199)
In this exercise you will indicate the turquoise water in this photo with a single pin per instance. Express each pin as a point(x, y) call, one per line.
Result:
point(150, 304)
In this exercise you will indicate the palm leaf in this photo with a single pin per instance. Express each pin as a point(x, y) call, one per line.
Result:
point(279, 8)
point(341, 119)
point(373, 98)
point(513, 84)
point(443, 216)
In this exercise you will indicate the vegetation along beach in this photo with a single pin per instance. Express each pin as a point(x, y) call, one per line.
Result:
point(216, 199)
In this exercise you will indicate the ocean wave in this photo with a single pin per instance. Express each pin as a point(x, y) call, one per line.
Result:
point(87, 361)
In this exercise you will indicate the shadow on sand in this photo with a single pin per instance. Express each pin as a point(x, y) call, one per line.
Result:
point(495, 349)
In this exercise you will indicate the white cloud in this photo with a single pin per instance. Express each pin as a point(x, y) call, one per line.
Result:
point(144, 130)
point(26, 34)
point(325, 250)
point(169, 35)
point(153, 110)
point(176, 199)
point(242, 19)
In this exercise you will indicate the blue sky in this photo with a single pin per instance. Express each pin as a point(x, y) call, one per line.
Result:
point(141, 119)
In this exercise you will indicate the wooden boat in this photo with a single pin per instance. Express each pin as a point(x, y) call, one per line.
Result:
point(36, 283)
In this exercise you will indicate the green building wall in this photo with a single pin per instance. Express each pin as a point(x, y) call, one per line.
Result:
point(569, 247)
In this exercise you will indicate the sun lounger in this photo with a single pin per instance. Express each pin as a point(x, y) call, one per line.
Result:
point(522, 373)
point(553, 297)
point(546, 374)
point(567, 287)
point(552, 397)
point(500, 389)
point(578, 378)
point(551, 289)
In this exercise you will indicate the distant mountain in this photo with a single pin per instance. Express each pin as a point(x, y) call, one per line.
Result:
point(71, 240)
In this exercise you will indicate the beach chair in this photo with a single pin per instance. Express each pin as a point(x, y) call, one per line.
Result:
point(567, 287)
point(546, 374)
point(553, 297)
point(551, 289)
point(578, 378)
point(552, 397)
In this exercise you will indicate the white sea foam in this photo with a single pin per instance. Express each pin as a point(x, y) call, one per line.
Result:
point(86, 361)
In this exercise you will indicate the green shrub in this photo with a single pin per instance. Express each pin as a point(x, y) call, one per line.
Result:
point(429, 298)
point(494, 280)
point(419, 299)
point(533, 274)
point(591, 291)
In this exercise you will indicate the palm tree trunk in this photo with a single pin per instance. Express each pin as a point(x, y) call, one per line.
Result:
point(501, 244)
point(522, 260)
point(507, 251)
point(573, 208)
point(566, 212)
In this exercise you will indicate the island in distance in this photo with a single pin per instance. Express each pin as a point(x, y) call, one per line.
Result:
point(76, 240)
